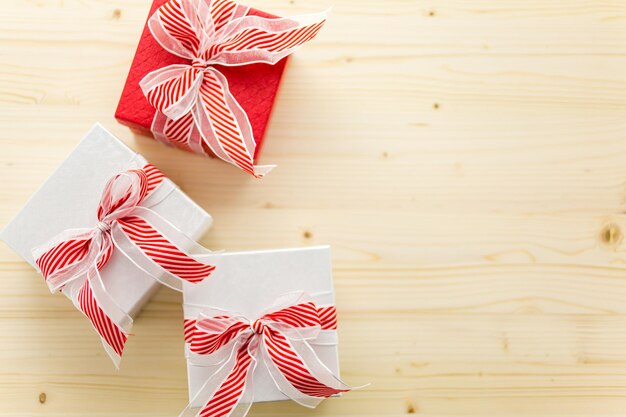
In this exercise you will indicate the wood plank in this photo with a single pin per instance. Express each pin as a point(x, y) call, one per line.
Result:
point(464, 159)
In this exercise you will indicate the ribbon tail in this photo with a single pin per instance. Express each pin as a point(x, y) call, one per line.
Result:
point(147, 240)
point(224, 125)
point(181, 133)
point(228, 392)
point(298, 372)
point(110, 322)
point(72, 265)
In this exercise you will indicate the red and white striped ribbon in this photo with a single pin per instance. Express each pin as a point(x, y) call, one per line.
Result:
point(71, 262)
point(279, 339)
point(195, 109)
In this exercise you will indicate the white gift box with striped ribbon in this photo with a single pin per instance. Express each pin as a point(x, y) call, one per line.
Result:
point(248, 283)
point(69, 199)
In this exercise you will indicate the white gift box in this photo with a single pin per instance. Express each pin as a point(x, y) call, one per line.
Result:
point(249, 283)
point(69, 199)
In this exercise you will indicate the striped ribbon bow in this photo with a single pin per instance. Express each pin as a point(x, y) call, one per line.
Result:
point(279, 339)
point(71, 262)
point(195, 108)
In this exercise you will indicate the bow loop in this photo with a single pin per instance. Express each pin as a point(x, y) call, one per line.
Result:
point(255, 39)
point(216, 332)
point(174, 90)
point(121, 195)
point(294, 315)
point(69, 255)
point(182, 27)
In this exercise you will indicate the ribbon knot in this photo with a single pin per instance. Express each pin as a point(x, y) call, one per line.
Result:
point(280, 340)
point(199, 63)
point(195, 108)
point(71, 262)
point(104, 227)
point(258, 326)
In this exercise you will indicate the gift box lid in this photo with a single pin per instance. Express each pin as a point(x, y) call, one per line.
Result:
point(249, 282)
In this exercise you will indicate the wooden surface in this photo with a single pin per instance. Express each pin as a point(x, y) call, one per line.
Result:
point(466, 161)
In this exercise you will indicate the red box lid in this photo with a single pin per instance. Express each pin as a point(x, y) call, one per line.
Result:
point(254, 86)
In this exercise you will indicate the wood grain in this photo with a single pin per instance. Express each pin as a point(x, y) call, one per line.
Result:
point(464, 159)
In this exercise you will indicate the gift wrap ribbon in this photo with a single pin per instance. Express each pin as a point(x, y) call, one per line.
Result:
point(71, 262)
point(194, 107)
point(279, 340)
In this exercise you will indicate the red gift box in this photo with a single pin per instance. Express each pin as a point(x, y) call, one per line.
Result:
point(255, 86)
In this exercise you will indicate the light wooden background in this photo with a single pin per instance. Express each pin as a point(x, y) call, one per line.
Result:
point(465, 159)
